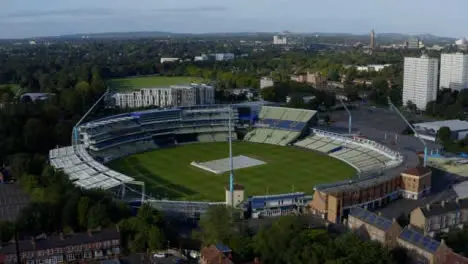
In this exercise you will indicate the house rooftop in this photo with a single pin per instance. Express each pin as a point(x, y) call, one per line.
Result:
point(417, 239)
point(380, 222)
point(61, 241)
point(417, 171)
point(212, 255)
point(444, 207)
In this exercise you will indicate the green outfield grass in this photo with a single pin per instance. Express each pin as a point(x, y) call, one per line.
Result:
point(168, 173)
point(151, 81)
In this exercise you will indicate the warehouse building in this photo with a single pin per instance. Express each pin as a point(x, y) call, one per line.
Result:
point(428, 130)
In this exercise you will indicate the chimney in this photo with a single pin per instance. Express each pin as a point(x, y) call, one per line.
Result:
point(428, 207)
point(394, 220)
point(442, 241)
point(117, 228)
point(379, 213)
point(90, 232)
point(442, 203)
point(62, 237)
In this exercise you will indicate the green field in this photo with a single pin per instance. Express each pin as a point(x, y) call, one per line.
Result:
point(168, 173)
point(151, 81)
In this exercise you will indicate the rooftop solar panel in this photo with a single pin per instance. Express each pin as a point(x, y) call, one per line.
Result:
point(406, 234)
point(416, 237)
point(433, 246)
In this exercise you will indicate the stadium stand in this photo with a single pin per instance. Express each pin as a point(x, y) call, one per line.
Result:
point(279, 125)
point(83, 170)
point(104, 140)
point(111, 138)
point(276, 205)
point(363, 154)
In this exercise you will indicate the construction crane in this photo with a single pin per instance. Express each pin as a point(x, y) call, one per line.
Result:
point(394, 108)
point(349, 119)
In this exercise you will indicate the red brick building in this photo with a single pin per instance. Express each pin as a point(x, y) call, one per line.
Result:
point(90, 246)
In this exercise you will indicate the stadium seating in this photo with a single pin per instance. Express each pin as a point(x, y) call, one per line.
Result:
point(279, 125)
point(364, 155)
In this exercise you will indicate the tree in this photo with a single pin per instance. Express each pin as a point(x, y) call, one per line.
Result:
point(155, 238)
point(411, 106)
point(97, 216)
point(7, 230)
point(84, 205)
point(444, 135)
point(217, 225)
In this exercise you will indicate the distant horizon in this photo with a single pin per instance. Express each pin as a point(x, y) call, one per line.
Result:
point(220, 33)
point(20, 19)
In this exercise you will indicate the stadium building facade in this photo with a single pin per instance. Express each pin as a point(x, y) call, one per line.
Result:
point(173, 96)
point(100, 141)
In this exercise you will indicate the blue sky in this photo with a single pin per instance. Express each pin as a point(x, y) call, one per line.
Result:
point(27, 18)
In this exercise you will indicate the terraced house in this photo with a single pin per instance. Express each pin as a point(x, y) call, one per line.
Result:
point(440, 217)
point(79, 247)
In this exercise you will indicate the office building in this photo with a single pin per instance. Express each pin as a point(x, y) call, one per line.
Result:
point(454, 71)
point(280, 40)
point(420, 80)
point(173, 96)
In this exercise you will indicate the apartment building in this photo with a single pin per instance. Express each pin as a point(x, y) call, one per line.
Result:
point(440, 217)
point(334, 202)
point(416, 183)
point(420, 80)
point(453, 71)
point(173, 96)
point(374, 227)
point(79, 247)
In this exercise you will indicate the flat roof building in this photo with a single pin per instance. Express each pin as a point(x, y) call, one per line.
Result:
point(428, 130)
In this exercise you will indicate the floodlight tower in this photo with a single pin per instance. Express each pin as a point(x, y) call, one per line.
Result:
point(349, 114)
point(231, 162)
point(393, 107)
point(75, 128)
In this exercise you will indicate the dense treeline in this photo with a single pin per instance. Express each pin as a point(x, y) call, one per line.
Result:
point(289, 240)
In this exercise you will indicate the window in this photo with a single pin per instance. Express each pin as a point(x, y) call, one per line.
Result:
point(88, 254)
point(98, 253)
point(70, 257)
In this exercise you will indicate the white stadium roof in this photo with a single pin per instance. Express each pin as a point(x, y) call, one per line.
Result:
point(454, 125)
point(83, 170)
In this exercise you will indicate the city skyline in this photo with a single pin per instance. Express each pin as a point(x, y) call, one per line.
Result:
point(28, 18)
